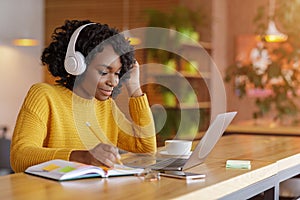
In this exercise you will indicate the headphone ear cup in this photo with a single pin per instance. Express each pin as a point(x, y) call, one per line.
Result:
point(74, 60)
point(75, 64)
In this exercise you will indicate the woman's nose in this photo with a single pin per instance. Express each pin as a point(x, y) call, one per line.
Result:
point(112, 80)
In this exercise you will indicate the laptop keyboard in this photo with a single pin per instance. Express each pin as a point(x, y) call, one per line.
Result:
point(177, 163)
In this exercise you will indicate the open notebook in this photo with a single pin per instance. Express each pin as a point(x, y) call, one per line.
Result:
point(202, 150)
point(62, 170)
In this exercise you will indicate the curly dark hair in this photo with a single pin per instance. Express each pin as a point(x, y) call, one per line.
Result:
point(90, 41)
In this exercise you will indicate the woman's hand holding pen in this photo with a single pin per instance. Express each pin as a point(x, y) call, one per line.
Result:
point(133, 84)
point(102, 154)
point(106, 154)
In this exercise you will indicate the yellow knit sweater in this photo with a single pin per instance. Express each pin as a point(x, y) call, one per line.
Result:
point(52, 123)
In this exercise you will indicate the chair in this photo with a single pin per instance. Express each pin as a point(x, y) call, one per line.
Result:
point(5, 167)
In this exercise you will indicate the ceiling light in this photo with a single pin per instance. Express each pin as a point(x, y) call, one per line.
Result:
point(25, 42)
point(272, 33)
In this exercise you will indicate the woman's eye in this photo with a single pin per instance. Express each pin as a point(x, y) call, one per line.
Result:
point(102, 73)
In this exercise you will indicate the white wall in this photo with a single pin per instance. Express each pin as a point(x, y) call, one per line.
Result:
point(20, 67)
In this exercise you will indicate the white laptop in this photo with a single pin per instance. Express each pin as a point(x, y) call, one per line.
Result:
point(204, 147)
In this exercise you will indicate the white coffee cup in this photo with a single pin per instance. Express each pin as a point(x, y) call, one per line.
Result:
point(178, 147)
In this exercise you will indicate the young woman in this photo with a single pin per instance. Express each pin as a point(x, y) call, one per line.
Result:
point(77, 119)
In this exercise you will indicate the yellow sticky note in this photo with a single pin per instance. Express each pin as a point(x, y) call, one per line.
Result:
point(50, 167)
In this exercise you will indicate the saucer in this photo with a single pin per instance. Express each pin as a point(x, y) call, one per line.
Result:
point(165, 153)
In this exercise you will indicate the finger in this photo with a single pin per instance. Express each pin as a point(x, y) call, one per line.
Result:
point(108, 163)
point(135, 63)
point(116, 156)
point(111, 149)
point(106, 153)
point(113, 155)
point(112, 159)
point(105, 158)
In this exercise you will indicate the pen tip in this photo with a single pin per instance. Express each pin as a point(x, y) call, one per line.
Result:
point(88, 123)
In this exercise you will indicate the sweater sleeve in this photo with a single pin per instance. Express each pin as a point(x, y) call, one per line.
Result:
point(30, 133)
point(138, 134)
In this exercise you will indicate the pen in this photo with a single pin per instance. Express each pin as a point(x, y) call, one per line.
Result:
point(93, 131)
point(98, 137)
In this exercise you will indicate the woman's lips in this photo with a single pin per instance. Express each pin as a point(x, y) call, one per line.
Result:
point(106, 92)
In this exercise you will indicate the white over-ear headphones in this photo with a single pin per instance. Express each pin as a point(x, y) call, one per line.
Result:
point(74, 60)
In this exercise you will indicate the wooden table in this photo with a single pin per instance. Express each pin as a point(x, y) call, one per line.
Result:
point(263, 127)
point(273, 159)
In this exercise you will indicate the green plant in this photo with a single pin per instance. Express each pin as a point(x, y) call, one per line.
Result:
point(280, 78)
point(181, 19)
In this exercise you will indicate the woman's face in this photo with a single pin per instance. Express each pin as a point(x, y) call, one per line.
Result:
point(101, 76)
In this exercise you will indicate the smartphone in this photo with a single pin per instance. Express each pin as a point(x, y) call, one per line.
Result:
point(182, 175)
